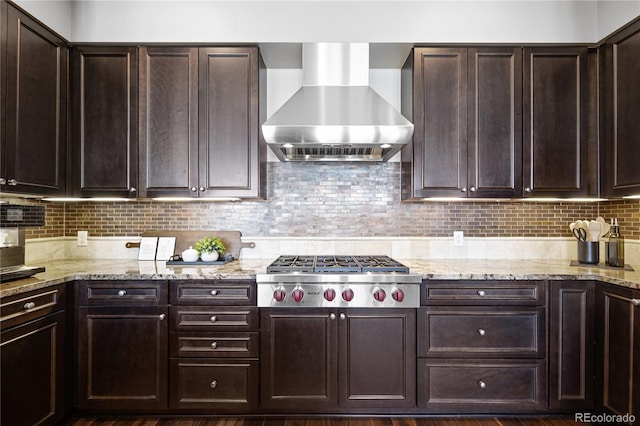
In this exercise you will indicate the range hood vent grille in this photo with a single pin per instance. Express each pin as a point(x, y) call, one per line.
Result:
point(334, 153)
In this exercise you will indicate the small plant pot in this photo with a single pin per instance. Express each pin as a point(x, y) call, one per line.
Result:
point(209, 257)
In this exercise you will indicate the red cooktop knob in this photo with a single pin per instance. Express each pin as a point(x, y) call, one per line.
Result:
point(379, 294)
point(297, 295)
point(329, 294)
point(279, 295)
point(347, 295)
point(398, 295)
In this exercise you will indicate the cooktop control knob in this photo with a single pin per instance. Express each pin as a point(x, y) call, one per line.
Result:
point(379, 294)
point(347, 294)
point(397, 295)
point(297, 294)
point(329, 294)
point(279, 295)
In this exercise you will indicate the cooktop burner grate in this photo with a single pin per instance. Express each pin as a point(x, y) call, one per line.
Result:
point(335, 264)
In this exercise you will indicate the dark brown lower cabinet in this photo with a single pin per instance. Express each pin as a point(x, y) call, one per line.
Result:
point(326, 359)
point(618, 334)
point(32, 372)
point(571, 345)
point(122, 357)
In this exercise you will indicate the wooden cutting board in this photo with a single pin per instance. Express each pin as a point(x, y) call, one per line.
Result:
point(184, 239)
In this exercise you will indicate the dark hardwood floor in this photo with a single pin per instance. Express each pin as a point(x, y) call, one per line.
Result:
point(374, 421)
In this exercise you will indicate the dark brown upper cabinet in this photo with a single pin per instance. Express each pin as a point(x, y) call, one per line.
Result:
point(466, 106)
point(620, 109)
point(556, 101)
point(105, 113)
point(200, 117)
point(34, 106)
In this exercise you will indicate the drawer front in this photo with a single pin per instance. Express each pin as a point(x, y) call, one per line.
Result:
point(215, 345)
point(205, 318)
point(482, 386)
point(481, 332)
point(121, 293)
point(28, 306)
point(210, 383)
point(482, 292)
point(213, 292)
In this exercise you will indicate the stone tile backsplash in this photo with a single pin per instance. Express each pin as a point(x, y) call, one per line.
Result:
point(336, 201)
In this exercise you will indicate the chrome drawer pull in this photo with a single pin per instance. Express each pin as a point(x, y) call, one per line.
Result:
point(636, 302)
point(481, 293)
point(214, 345)
point(29, 305)
point(214, 384)
point(481, 331)
point(482, 384)
point(122, 292)
point(213, 318)
point(214, 292)
point(162, 317)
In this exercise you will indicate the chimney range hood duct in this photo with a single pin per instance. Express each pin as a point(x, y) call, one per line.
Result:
point(336, 116)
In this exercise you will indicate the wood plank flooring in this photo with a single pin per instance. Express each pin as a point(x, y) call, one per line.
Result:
point(375, 421)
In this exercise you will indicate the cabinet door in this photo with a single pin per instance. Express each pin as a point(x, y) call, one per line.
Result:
point(231, 152)
point(571, 343)
point(3, 87)
point(440, 118)
point(495, 122)
point(387, 379)
point(619, 349)
point(36, 108)
point(555, 122)
point(122, 357)
point(105, 113)
point(298, 359)
point(168, 121)
point(620, 92)
point(32, 357)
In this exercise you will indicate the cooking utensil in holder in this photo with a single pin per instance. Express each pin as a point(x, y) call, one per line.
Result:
point(589, 252)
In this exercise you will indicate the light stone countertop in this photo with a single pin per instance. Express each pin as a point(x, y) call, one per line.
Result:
point(454, 269)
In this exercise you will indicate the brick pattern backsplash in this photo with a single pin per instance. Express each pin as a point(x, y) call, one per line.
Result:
point(335, 200)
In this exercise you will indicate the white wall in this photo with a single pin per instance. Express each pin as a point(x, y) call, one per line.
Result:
point(613, 14)
point(56, 14)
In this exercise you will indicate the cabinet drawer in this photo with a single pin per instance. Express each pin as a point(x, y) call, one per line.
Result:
point(481, 332)
point(28, 306)
point(482, 292)
point(482, 385)
point(211, 383)
point(204, 318)
point(121, 293)
point(215, 345)
point(216, 292)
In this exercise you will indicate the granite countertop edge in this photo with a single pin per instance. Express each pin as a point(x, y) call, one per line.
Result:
point(62, 271)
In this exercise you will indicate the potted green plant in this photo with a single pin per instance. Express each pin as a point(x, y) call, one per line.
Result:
point(210, 248)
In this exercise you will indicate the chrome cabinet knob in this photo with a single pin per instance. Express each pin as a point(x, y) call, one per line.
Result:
point(472, 189)
point(12, 182)
point(202, 188)
point(122, 292)
point(132, 189)
point(213, 384)
point(29, 305)
point(343, 316)
point(214, 292)
point(481, 293)
point(214, 318)
point(463, 189)
point(481, 331)
point(527, 189)
point(214, 345)
point(332, 316)
point(162, 317)
point(3, 181)
point(482, 384)
point(193, 189)
point(636, 302)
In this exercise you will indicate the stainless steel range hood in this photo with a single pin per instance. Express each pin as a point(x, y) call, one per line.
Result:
point(336, 116)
